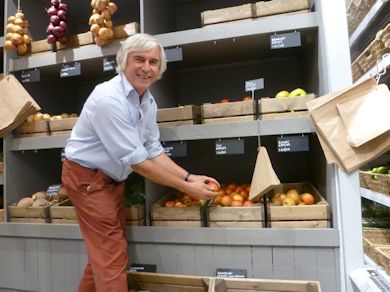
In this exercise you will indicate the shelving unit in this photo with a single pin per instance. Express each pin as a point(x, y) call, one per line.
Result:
point(375, 197)
point(216, 62)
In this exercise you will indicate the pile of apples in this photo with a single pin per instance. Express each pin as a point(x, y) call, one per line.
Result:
point(58, 26)
point(100, 21)
point(295, 92)
point(17, 37)
point(184, 200)
point(226, 100)
point(233, 195)
point(292, 198)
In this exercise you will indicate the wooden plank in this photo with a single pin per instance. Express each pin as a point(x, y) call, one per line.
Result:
point(60, 133)
point(262, 262)
point(272, 105)
point(64, 221)
point(135, 212)
point(123, 31)
point(34, 127)
point(283, 263)
point(32, 135)
point(305, 263)
point(187, 112)
point(179, 223)
point(29, 212)
point(62, 124)
point(170, 279)
point(227, 14)
point(80, 39)
point(203, 254)
point(28, 220)
point(235, 119)
point(254, 213)
point(328, 269)
point(40, 46)
point(185, 254)
point(236, 108)
point(236, 224)
point(159, 212)
point(140, 222)
point(301, 224)
point(271, 285)
point(44, 264)
point(177, 123)
point(265, 8)
point(31, 264)
point(286, 115)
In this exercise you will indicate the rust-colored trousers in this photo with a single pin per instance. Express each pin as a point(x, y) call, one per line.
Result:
point(100, 208)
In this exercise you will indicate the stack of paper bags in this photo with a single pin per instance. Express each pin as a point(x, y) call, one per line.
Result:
point(353, 124)
point(16, 104)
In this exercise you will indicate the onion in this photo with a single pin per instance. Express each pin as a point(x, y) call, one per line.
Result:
point(50, 28)
point(58, 31)
point(61, 14)
point(55, 2)
point(63, 25)
point(51, 39)
point(55, 20)
point(52, 11)
point(63, 40)
point(63, 6)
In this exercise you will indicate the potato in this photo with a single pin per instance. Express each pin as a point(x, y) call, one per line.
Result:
point(25, 202)
point(40, 203)
point(46, 117)
point(40, 195)
point(73, 115)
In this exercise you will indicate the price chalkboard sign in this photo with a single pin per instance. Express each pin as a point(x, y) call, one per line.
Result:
point(286, 40)
point(108, 64)
point(142, 268)
point(69, 70)
point(175, 149)
point(293, 143)
point(30, 76)
point(231, 273)
point(174, 54)
point(53, 190)
point(229, 146)
point(255, 84)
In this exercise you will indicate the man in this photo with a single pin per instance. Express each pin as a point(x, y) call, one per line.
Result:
point(115, 135)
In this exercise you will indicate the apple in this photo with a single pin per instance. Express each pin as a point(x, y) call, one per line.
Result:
point(226, 200)
point(293, 194)
point(238, 197)
point(248, 204)
point(224, 100)
point(276, 200)
point(217, 199)
point(236, 203)
point(245, 98)
point(214, 187)
point(179, 205)
point(288, 202)
point(170, 204)
point(281, 94)
point(307, 198)
point(298, 92)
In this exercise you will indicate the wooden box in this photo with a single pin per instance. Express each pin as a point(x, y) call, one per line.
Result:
point(144, 281)
point(299, 216)
point(37, 128)
point(237, 217)
point(376, 182)
point(193, 216)
point(1, 215)
point(29, 214)
point(175, 116)
point(65, 213)
point(266, 8)
point(229, 14)
point(62, 126)
point(284, 108)
point(1, 167)
point(230, 112)
point(123, 31)
point(264, 285)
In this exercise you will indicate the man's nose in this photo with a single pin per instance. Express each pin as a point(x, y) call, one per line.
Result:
point(146, 66)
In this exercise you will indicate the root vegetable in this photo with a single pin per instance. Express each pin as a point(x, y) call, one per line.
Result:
point(112, 7)
point(16, 39)
point(51, 39)
point(11, 19)
point(26, 39)
point(40, 203)
point(9, 46)
point(39, 195)
point(19, 15)
point(25, 202)
point(95, 28)
point(38, 117)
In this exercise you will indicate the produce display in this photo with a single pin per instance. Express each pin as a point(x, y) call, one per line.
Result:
point(38, 199)
point(291, 198)
point(46, 117)
point(226, 100)
point(233, 195)
point(381, 169)
point(295, 92)
point(17, 38)
point(100, 21)
point(58, 25)
point(181, 200)
point(136, 194)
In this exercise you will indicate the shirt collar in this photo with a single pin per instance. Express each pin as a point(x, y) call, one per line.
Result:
point(132, 93)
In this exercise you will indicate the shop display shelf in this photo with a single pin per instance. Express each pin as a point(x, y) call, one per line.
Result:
point(375, 197)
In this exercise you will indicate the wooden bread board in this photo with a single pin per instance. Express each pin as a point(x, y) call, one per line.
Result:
point(239, 12)
point(240, 217)
point(266, 8)
point(62, 124)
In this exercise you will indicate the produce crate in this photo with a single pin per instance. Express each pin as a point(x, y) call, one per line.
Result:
point(37, 128)
point(299, 216)
point(267, 8)
point(230, 112)
point(29, 214)
point(376, 182)
point(383, 253)
point(144, 281)
point(65, 213)
point(1, 167)
point(62, 126)
point(175, 116)
point(357, 71)
point(238, 217)
point(1, 215)
point(384, 37)
point(374, 52)
point(230, 14)
point(264, 285)
point(375, 237)
point(193, 216)
point(362, 180)
point(356, 11)
point(284, 108)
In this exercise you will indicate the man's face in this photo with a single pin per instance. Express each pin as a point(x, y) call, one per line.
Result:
point(142, 69)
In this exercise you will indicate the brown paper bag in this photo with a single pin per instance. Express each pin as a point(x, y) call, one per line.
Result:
point(330, 127)
point(264, 176)
point(365, 117)
point(16, 104)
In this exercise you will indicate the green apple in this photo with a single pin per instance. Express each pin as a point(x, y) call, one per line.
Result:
point(282, 94)
point(298, 92)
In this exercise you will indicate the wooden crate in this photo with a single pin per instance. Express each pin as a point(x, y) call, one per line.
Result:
point(175, 116)
point(376, 182)
point(230, 112)
point(237, 217)
point(264, 285)
point(266, 8)
point(373, 238)
point(193, 216)
point(65, 213)
point(37, 128)
point(235, 13)
point(29, 214)
point(300, 216)
point(125, 30)
point(62, 125)
point(167, 282)
point(1, 167)
point(284, 108)
point(384, 257)
point(1, 215)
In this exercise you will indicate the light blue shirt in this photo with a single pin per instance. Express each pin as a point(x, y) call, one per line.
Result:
point(115, 130)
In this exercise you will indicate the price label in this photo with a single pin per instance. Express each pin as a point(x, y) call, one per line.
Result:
point(174, 54)
point(62, 154)
point(69, 70)
point(293, 143)
point(142, 268)
point(175, 149)
point(286, 40)
point(229, 146)
point(108, 64)
point(30, 76)
point(231, 273)
point(256, 84)
point(53, 190)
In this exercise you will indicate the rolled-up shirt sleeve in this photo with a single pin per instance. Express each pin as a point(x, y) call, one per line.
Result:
point(153, 145)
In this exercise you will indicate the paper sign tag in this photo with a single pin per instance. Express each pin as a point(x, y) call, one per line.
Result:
point(142, 268)
point(255, 84)
point(175, 149)
point(229, 146)
point(108, 64)
point(30, 76)
point(286, 40)
point(53, 190)
point(174, 54)
point(293, 143)
point(231, 273)
point(370, 279)
point(62, 154)
point(69, 70)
